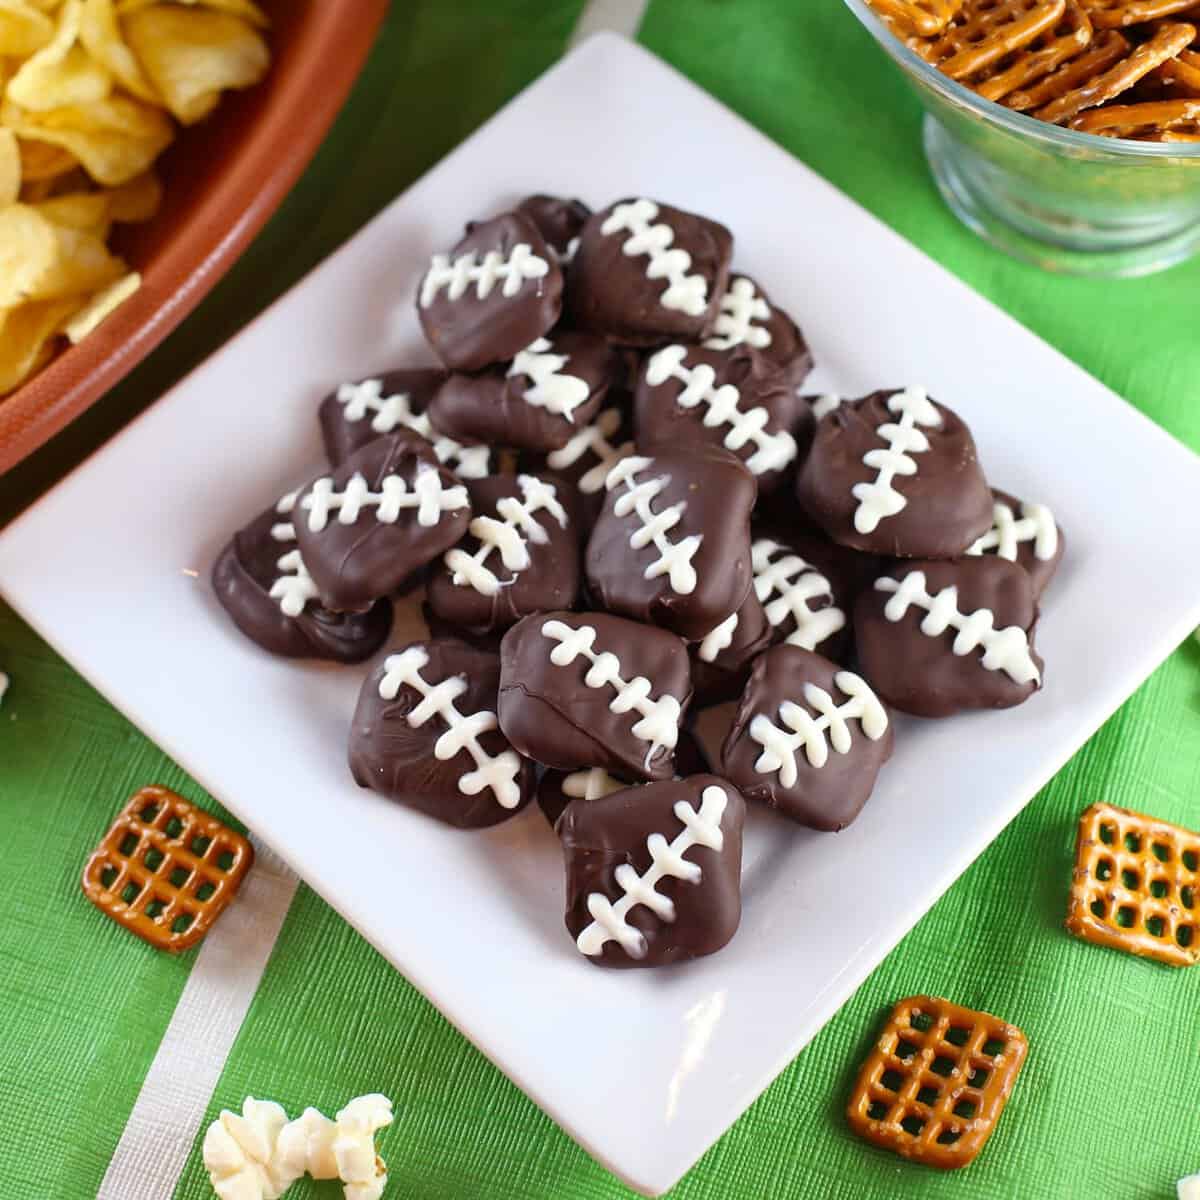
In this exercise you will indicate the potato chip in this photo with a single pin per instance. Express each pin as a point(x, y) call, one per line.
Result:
point(137, 200)
point(10, 167)
point(101, 35)
point(40, 160)
point(27, 336)
point(103, 304)
point(192, 54)
point(115, 139)
point(246, 9)
point(40, 260)
point(61, 72)
point(23, 30)
point(89, 212)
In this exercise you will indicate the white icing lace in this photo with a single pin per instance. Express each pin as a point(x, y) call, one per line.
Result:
point(467, 269)
point(294, 587)
point(1035, 525)
point(685, 293)
point(427, 496)
point(595, 438)
point(553, 389)
point(797, 584)
point(592, 784)
point(740, 307)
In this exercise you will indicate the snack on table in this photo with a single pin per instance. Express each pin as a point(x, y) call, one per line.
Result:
point(802, 606)
point(672, 544)
point(389, 509)
point(693, 396)
point(1136, 885)
point(520, 555)
point(594, 690)
point(89, 92)
point(1059, 58)
point(425, 733)
point(654, 873)
point(1023, 533)
point(808, 740)
point(721, 660)
point(262, 582)
point(896, 473)
point(936, 1082)
point(241, 1155)
point(936, 638)
point(1188, 1189)
point(496, 292)
point(166, 869)
point(558, 220)
point(646, 272)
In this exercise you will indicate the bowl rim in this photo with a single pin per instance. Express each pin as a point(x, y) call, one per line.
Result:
point(1014, 122)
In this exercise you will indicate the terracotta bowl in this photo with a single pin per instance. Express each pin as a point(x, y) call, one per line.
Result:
point(223, 179)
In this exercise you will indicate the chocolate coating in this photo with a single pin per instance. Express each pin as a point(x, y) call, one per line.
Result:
point(589, 783)
point(550, 713)
point(762, 436)
point(242, 578)
point(354, 564)
point(1021, 521)
point(920, 674)
point(559, 221)
point(550, 580)
point(827, 797)
point(947, 501)
point(399, 760)
point(747, 317)
point(349, 419)
point(601, 836)
point(612, 293)
point(468, 331)
point(721, 662)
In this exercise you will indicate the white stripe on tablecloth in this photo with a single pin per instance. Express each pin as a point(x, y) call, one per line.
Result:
point(177, 1089)
point(619, 16)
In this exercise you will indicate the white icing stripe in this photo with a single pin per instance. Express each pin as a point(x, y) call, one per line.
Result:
point(294, 587)
point(685, 293)
point(498, 773)
point(592, 784)
point(772, 451)
point(804, 732)
point(674, 558)
point(719, 639)
point(1004, 650)
point(659, 724)
point(510, 536)
point(740, 307)
point(608, 923)
point(357, 399)
point(1036, 525)
point(467, 269)
point(427, 496)
point(824, 405)
point(552, 389)
point(797, 583)
point(878, 498)
point(596, 439)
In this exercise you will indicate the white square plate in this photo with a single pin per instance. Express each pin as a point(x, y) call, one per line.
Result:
point(112, 568)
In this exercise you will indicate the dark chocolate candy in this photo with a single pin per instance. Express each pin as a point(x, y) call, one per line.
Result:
point(262, 582)
point(721, 661)
point(654, 873)
point(497, 291)
point(746, 317)
point(692, 396)
point(804, 606)
point(520, 555)
point(672, 544)
point(358, 413)
point(896, 474)
point(557, 789)
point(647, 273)
point(384, 513)
point(559, 221)
point(425, 734)
point(936, 638)
point(1026, 534)
point(808, 739)
point(592, 690)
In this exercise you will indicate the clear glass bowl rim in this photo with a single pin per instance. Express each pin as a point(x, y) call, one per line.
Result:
point(1019, 123)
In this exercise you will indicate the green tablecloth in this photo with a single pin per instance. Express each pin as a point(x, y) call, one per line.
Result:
point(1109, 1105)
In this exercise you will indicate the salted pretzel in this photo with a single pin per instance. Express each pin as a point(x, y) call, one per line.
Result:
point(1182, 72)
point(1119, 14)
point(936, 1082)
point(1067, 38)
point(1136, 885)
point(1105, 50)
point(166, 869)
point(924, 18)
point(1136, 120)
point(985, 31)
point(1166, 43)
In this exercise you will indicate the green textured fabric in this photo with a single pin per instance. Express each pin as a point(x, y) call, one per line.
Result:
point(1109, 1103)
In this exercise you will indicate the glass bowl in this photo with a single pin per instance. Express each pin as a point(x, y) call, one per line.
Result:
point(1065, 200)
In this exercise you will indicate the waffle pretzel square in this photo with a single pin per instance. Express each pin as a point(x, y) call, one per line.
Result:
point(1102, 53)
point(1117, 14)
point(985, 31)
point(936, 1082)
point(1166, 43)
point(166, 869)
point(926, 18)
point(1068, 37)
point(1136, 886)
